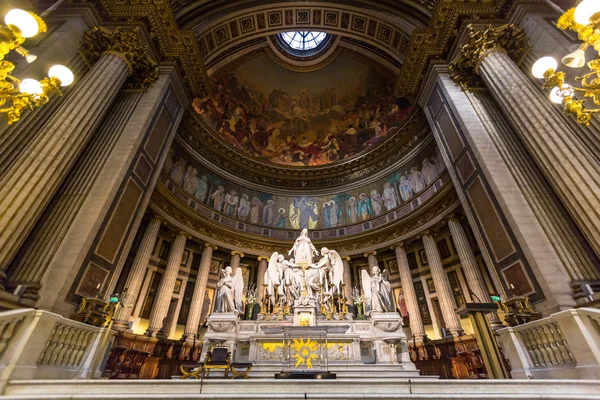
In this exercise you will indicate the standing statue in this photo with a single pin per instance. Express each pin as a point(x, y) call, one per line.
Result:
point(229, 292)
point(378, 291)
point(303, 249)
point(331, 269)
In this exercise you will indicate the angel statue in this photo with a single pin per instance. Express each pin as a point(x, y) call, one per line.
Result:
point(274, 276)
point(377, 289)
point(303, 249)
point(331, 269)
point(229, 292)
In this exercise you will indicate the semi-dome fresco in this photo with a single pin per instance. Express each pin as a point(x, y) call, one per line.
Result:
point(313, 118)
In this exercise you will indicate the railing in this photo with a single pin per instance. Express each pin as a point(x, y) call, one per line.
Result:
point(565, 345)
point(38, 344)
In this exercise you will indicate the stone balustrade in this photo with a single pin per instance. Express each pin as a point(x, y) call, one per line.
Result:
point(37, 344)
point(564, 345)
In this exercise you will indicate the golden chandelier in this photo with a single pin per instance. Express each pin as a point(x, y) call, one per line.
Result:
point(17, 95)
point(585, 20)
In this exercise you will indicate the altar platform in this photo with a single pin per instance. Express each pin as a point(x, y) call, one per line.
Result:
point(353, 349)
point(421, 388)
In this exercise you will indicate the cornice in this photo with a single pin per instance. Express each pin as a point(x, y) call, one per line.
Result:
point(211, 150)
point(181, 216)
point(174, 45)
point(435, 41)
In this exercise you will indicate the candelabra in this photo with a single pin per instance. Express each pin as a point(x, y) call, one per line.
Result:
point(17, 95)
point(585, 20)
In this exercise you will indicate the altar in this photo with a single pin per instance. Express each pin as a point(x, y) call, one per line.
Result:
point(350, 348)
point(304, 325)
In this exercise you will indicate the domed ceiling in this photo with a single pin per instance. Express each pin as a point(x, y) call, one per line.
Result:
point(295, 118)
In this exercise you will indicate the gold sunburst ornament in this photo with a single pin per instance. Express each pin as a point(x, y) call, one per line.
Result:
point(306, 352)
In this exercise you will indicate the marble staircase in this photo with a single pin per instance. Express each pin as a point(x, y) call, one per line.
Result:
point(367, 388)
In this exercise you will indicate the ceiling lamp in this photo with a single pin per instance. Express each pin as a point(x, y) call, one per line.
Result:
point(585, 20)
point(17, 95)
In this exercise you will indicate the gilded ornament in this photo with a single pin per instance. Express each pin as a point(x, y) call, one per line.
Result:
point(143, 71)
point(555, 81)
point(464, 71)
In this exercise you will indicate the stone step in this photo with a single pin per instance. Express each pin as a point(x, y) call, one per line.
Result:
point(255, 389)
point(358, 371)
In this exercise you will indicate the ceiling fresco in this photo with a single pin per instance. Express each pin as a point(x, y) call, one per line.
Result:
point(283, 117)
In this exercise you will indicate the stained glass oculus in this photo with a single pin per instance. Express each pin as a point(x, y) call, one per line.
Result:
point(303, 40)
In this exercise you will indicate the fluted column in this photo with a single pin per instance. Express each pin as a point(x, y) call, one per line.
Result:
point(372, 259)
point(442, 284)
point(191, 326)
point(235, 261)
point(347, 275)
point(414, 315)
point(29, 184)
point(569, 166)
point(473, 274)
point(167, 284)
point(263, 262)
point(138, 270)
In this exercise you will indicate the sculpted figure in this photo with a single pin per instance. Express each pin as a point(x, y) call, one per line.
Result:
point(229, 292)
point(378, 291)
point(303, 249)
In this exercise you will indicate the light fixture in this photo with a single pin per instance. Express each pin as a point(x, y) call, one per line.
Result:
point(586, 11)
point(17, 95)
point(542, 65)
point(558, 94)
point(31, 86)
point(24, 21)
point(62, 73)
point(585, 20)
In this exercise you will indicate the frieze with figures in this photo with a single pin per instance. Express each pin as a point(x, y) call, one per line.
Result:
point(299, 212)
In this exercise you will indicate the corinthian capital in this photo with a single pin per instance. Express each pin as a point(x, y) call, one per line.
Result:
point(464, 70)
point(97, 41)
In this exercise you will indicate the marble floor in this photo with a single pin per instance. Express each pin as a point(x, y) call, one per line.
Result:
point(368, 388)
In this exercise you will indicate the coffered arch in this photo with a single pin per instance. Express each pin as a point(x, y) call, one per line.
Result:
point(221, 34)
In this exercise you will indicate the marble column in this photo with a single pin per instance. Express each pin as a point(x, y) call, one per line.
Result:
point(372, 259)
point(566, 162)
point(408, 288)
point(234, 263)
point(442, 285)
point(473, 275)
point(347, 276)
point(263, 262)
point(167, 285)
point(191, 326)
point(30, 183)
point(138, 270)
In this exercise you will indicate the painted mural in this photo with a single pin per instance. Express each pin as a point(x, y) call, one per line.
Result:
point(320, 212)
point(304, 118)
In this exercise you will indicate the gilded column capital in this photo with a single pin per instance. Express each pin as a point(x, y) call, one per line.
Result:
point(160, 219)
point(347, 258)
point(399, 244)
point(233, 253)
point(424, 233)
point(185, 234)
point(263, 258)
point(126, 45)
point(214, 246)
point(370, 253)
point(464, 70)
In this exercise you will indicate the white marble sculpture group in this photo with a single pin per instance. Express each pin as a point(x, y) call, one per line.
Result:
point(304, 280)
